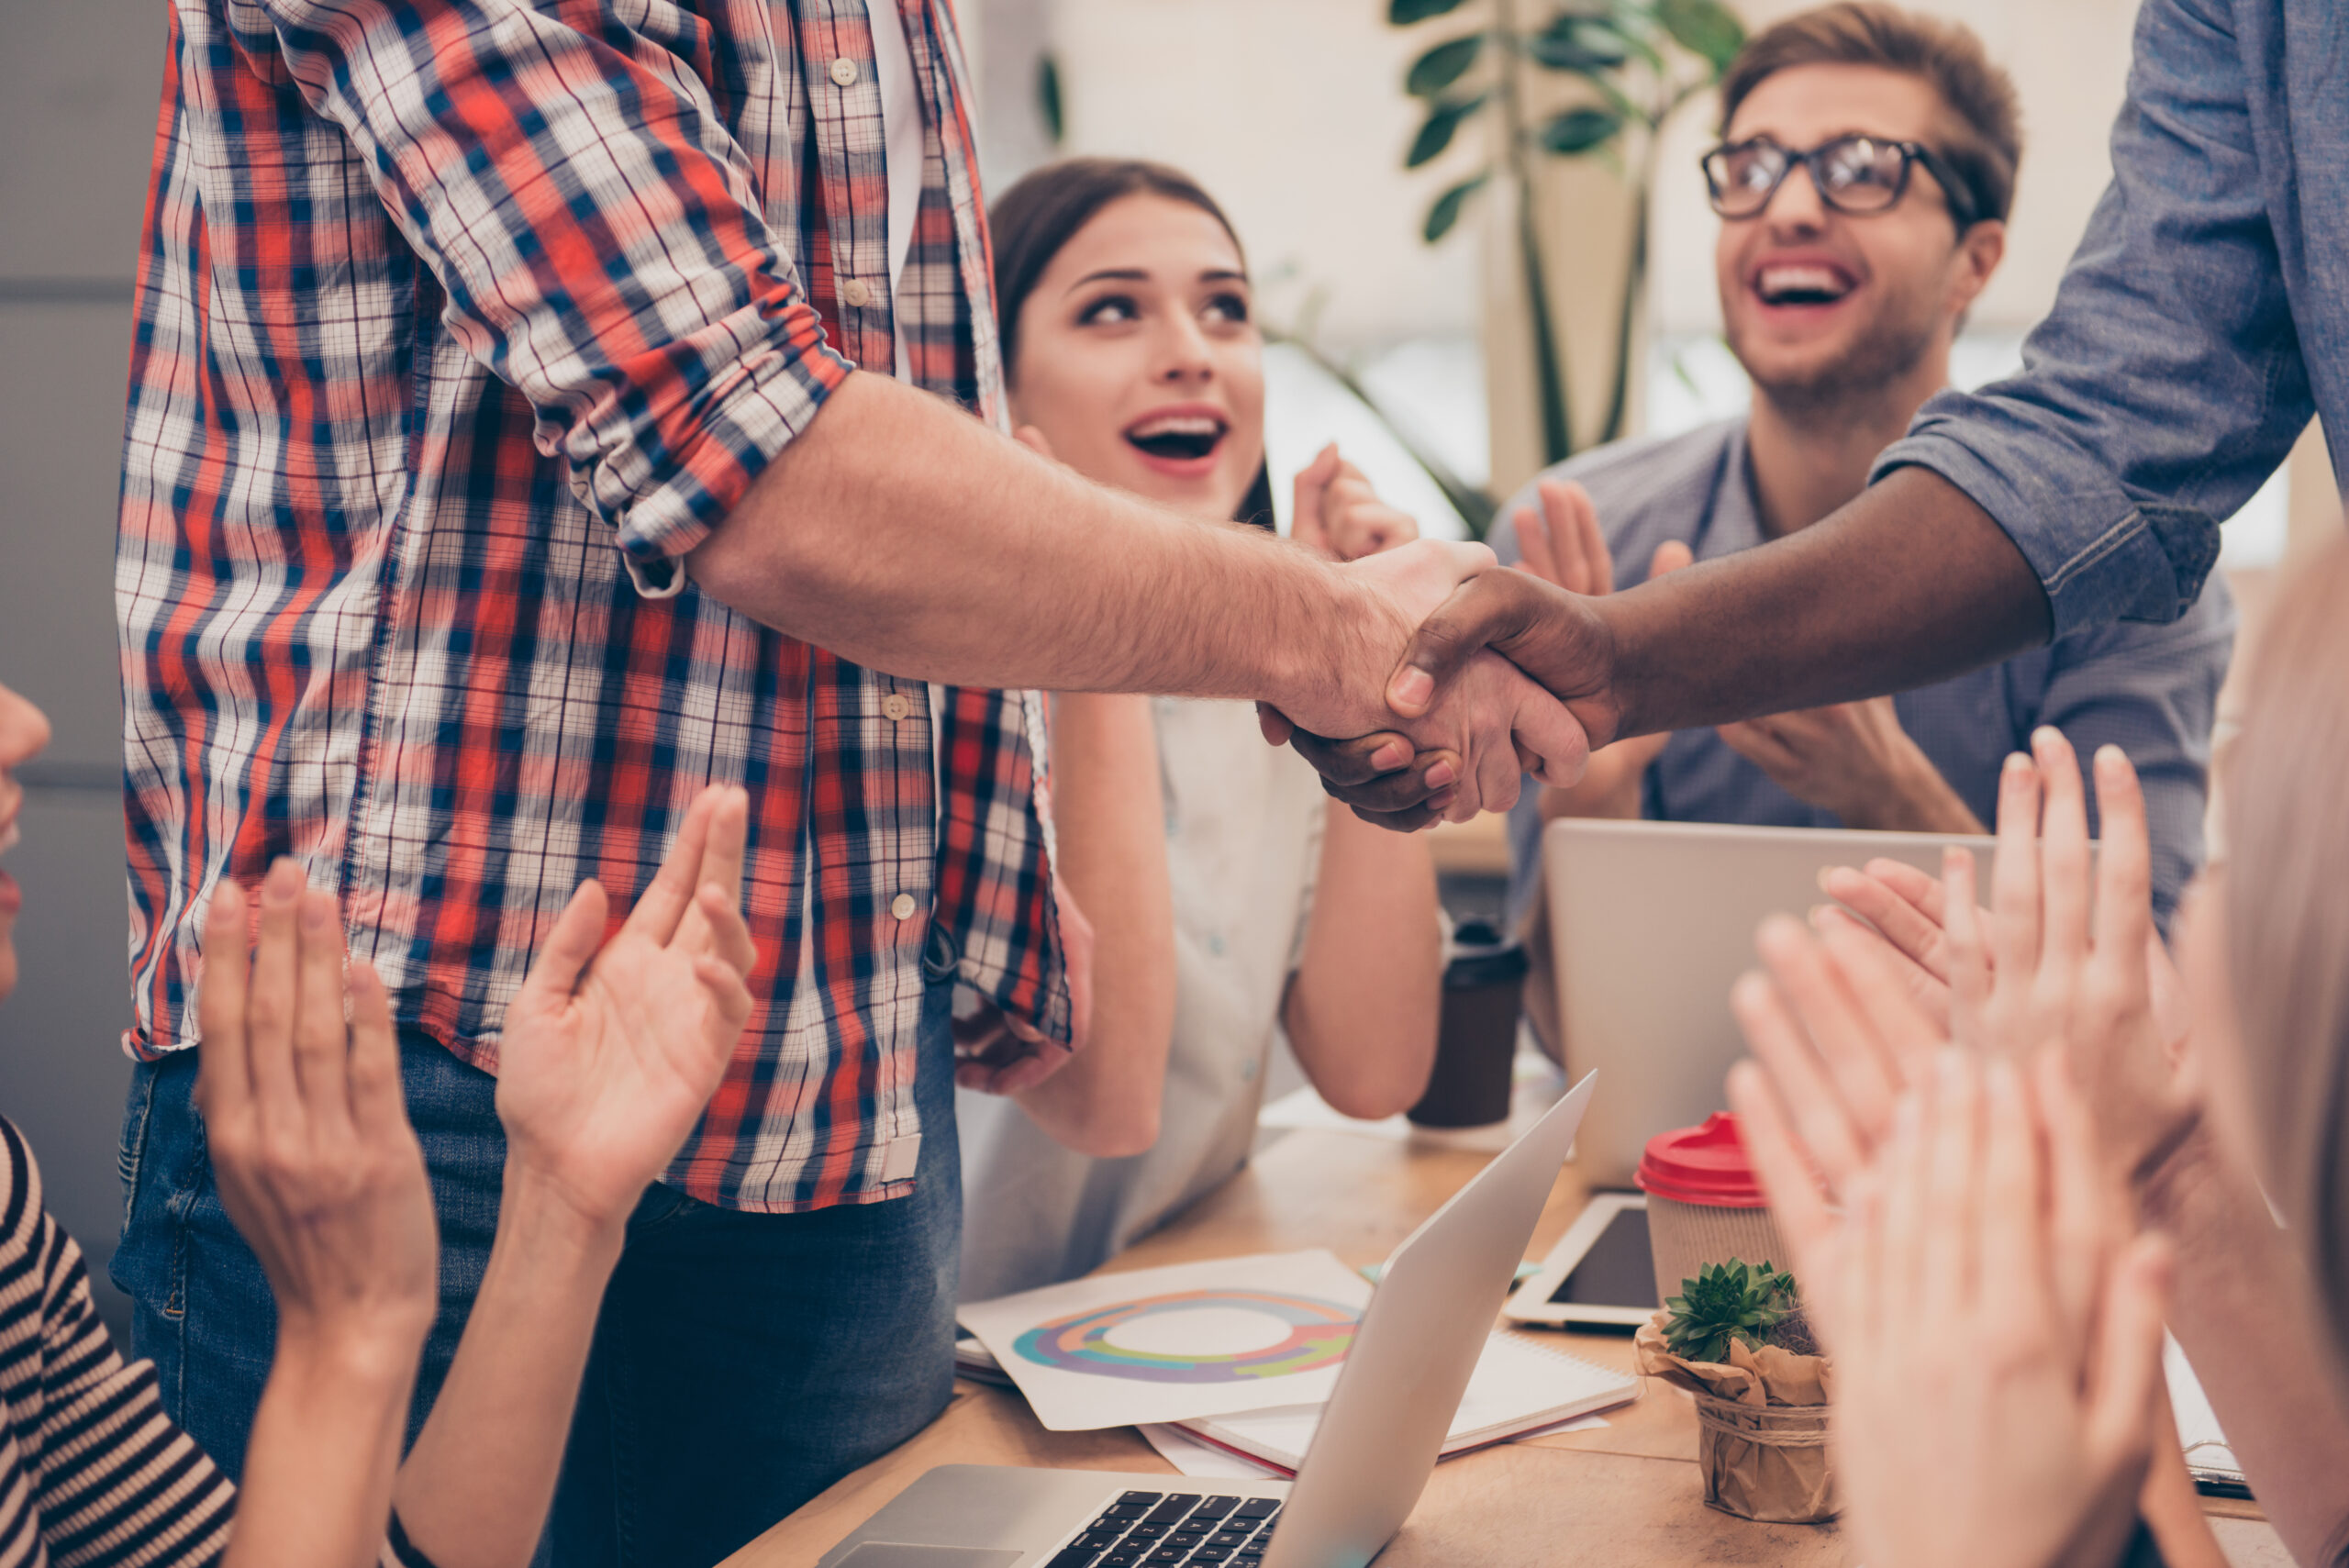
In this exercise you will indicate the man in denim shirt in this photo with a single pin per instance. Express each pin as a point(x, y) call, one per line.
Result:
point(2203, 320)
point(1844, 283)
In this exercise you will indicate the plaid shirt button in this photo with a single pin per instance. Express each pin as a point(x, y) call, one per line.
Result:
point(844, 72)
point(856, 293)
point(902, 906)
point(896, 707)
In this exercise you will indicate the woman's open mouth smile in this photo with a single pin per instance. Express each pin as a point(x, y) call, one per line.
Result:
point(1180, 442)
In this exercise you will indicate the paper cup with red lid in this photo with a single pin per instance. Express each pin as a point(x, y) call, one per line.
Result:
point(1705, 1205)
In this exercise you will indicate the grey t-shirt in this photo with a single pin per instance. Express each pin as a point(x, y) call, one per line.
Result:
point(2151, 690)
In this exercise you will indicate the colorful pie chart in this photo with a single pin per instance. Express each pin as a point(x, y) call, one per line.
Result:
point(1319, 1333)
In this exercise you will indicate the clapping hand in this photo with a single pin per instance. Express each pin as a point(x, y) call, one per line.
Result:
point(2125, 1022)
point(612, 1048)
point(1338, 513)
point(1846, 1016)
point(1996, 1332)
point(1563, 544)
point(309, 1139)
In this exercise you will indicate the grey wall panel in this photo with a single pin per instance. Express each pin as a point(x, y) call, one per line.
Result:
point(61, 388)
point(62, 1073)
point(80, 82)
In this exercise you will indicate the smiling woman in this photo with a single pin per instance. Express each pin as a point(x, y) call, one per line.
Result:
point(1232, 900)
point(1105, 270)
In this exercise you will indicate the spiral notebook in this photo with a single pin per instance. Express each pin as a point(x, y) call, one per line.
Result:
point(1519, 1385)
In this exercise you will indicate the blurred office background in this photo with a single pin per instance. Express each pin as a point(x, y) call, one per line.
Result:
point(1293, 112)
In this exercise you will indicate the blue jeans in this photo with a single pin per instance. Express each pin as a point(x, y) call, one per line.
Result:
point(741, 1363)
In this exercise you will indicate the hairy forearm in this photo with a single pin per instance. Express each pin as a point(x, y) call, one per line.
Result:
point(326, 1441)
point(1910, 584)
point(475, 1491)
point(1112, 832)
point(907, 536)
point(1362, 1010)
point(2243, 1307)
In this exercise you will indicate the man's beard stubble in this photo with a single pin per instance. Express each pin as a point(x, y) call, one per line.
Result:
point(1852, 389)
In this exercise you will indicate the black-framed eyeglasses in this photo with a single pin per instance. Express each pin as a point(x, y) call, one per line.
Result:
point(1851, 173)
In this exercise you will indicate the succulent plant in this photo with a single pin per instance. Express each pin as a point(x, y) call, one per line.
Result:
point(1728, 1302)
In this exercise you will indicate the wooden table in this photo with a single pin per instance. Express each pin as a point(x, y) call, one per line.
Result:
point(1625, 1494)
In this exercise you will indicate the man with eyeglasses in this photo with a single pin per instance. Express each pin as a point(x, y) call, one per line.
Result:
point(1866, 165)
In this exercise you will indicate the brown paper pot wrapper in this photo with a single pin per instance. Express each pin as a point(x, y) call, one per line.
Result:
point(1684, 1237)
point(1761, 1427)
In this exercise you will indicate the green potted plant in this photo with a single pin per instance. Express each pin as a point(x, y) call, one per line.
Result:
point(1737, 1339)
point(1568, 79)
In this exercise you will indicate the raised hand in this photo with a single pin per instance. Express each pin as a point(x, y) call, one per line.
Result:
point(309, 1139)
point(1853, 759)
point(1846, 1014)
point(1996, 1333)
point(1338, 513)
point(1563, 544)
point(2050, 963)
point(1838, 1038)
point(1905, 907)
point(612, 1049)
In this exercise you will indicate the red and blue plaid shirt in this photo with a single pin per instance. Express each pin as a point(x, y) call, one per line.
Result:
point(458, 321)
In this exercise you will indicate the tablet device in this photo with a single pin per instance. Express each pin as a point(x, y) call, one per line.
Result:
point(1600, 1274)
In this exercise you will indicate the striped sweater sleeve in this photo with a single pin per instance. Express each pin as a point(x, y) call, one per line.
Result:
point(92, 1472)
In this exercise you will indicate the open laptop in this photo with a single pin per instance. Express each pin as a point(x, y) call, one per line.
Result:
point(1369, 1460)
point(1650, 925)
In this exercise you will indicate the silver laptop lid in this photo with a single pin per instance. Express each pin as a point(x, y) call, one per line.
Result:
point(1650, 925)
point(1414, 1353)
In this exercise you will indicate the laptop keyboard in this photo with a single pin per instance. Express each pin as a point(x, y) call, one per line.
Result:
point(1163, 1529)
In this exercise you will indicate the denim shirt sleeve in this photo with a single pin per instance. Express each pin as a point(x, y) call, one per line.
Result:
point(2167, 383)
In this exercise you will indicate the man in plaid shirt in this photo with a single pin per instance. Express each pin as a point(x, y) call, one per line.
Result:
point(496, 478)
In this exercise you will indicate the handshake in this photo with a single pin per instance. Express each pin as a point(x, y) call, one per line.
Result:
point(1462, 677)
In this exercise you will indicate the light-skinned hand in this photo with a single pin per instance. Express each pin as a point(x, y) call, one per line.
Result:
point(309, 1138)
point(2039, 964)
point(1996, 1332)
point(1904, 907)
point(1853, 758)
point(1845, 1014)
point(1337, 513)
point(613, 1047)
point(1468, 752)
point(997, 1053)
point(1562, 543)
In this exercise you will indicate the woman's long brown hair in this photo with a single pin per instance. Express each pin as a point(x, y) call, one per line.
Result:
point(2287, 912)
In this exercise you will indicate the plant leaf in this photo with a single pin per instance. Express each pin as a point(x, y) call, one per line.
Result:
point(1446, 210)
point(1441, 66)
point(1580, 44)
point(1443, 117)
point(1706, 29)
point(1403, 12)
point(1579, 129)
point(1636, 26)
point(1444, 64)
point(1048, 97)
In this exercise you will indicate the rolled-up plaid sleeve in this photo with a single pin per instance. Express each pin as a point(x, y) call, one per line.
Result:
point(592, 224)
point(2167, 382)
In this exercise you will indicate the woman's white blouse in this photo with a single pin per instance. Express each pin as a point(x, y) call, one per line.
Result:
point(1244, 845)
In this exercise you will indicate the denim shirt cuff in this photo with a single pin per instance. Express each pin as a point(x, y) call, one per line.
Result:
point(2101, 556)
